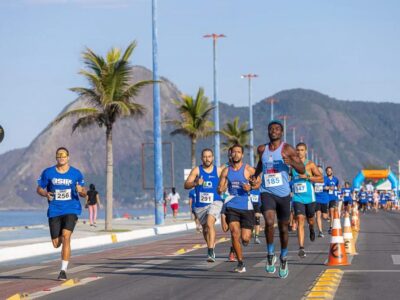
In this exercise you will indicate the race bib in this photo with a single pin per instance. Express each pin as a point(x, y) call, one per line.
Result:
point(346, 194)
point(63, 195)
point(254, 198)
point(319, 188)
point(206, 197)
point(273, 180)
point(330, 192)
point(300, 187)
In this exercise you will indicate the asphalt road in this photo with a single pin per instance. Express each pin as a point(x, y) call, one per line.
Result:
point(158, 269)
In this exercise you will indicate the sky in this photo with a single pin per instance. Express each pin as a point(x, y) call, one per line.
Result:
point(347, 49)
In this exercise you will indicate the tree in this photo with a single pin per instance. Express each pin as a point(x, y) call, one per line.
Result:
point(194, 119)
point(110, 96)
point(236, 133)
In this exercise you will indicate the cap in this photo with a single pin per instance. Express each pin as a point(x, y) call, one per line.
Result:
point(275, 122)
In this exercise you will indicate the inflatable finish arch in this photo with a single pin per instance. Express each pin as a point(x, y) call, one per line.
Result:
point(375, 174)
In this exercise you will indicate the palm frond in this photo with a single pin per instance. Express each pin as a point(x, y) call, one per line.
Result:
point(76, 113)
point(88, 121)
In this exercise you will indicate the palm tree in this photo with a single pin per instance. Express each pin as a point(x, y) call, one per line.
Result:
point(236, 133)
point(110, 96)
point(195, 119)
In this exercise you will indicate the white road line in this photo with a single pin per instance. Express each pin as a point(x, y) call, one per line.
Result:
point(78, 269)
point(206, 265)
point(146, 265)
point(23, 270)
point(396, 259)
point(369, 271)
point(61, 288)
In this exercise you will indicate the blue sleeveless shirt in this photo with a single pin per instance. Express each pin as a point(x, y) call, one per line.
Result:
point(275, 173)
point(240, 198)
point(207, 192)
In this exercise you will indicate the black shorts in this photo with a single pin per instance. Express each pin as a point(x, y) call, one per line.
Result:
point(280, 204)
point(246, 218)
point(346, 203)
point(322, 207)
point(256, 208)
point(333, 204)
point(57, 224)
point(307, 210)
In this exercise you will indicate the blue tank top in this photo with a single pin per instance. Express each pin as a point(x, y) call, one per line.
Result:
point(240, 198)
point(303, 190)
point(275, 173)
point(346, 192)
point(207, 192)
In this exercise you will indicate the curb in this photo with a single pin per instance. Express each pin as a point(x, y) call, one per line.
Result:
point(31, 250)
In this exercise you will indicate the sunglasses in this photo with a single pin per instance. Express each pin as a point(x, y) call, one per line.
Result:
point(61, 156)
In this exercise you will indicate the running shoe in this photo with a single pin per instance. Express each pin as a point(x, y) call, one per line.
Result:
point(211, 255)
point(257, 240)
point(321, 234)
point(62, 276)
point(312, 234)
point(231, 257)
point(302, 253)
point(270, 265)
point(245, 244)
point(240, 268)
point(283, 268)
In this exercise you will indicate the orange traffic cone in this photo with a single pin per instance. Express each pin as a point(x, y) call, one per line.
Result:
point(337, 253)
point(349, 243)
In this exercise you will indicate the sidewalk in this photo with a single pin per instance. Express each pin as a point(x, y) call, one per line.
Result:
point(86, 236)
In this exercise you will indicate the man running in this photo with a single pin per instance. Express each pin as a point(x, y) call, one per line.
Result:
point(347, 196)
point(239, 179)
point(322, 200)
point(62, 185)
point(304, 197)
point(362, 199)
point(332, 188)
point(255, 199)
point(208, 204)
point(275, 158)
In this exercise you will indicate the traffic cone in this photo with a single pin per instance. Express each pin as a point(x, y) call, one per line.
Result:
point(337, 252)
point(349, 243)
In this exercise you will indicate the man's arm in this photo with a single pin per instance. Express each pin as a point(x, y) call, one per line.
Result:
point(255, 182)
point(192, 179)
point(260, 151)
point(291, 158)
point(316, 175)
point(42, 192)
point(223, 183)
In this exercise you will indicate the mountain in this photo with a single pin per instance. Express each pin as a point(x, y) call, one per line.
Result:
point(348, 135)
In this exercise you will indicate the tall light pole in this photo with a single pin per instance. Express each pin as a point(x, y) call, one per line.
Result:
point(250, 77)
point(158, 171)
point(284, 118)
point(272, 101)
point(312, 154)
point(215, 37)
point(294, 135)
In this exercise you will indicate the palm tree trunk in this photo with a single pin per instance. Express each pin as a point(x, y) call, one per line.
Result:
point(109, 179)
point(194, 141)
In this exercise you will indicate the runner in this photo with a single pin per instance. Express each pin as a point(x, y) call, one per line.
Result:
point(173, 199)
point(274, 161)
point(347, 199)
point(389, 199)
point(332, 188)
point(362, 196)
point(208, 205)
point(255, 199)
point(322, 201)
point(192, 202)
point(304, 197)
point(239, 208)
point(370, 199)
point(62, 185)
point(376, 201)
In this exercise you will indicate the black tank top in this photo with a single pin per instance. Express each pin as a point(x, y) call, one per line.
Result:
point(92, 197)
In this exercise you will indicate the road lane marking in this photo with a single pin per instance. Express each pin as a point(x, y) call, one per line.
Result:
point(325, 286)
point(78, 269)
point(62, 287)
point(23, 270)
point(146, 265)
point(396, 259)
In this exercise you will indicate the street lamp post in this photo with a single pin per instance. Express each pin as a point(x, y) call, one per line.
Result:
point(272, 101)
point(215, 37)
point(158, 171)
point(294, 135)
point(250, 77)
point(284, 118)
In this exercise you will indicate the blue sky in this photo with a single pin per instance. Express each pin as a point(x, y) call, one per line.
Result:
point(348, 49)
